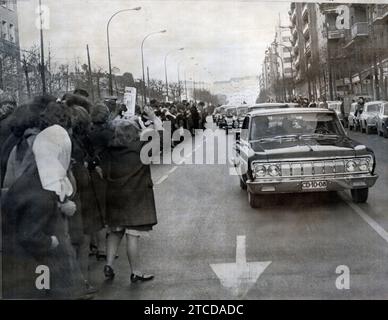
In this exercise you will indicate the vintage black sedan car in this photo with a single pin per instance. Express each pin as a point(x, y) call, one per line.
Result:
point(301, 150)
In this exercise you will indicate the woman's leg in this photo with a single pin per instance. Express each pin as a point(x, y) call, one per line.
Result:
point(133, 253)
point(133, 259)
point(112, 243)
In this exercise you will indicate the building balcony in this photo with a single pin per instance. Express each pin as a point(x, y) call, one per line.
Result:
point(293, 16)
point(380, 14)
point(295, 50)
point(335, 34)
point(297, 62)
point(305, 12)
point(294, 32)
point(359, 29)
point(306, 31)
point(308, 48)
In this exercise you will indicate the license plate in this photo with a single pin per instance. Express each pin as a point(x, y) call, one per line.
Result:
point(314, 185)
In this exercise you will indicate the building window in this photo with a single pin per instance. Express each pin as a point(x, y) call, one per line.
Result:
point(12, 33)
point(11, 5)
point(4, 30)
point(287, 60)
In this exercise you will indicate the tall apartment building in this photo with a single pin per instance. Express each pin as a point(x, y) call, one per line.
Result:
point(283, 51)
point(340, 50)
point(9, 49)
point(308, 48)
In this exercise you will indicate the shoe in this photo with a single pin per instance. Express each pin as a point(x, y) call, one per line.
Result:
point(141, 277)
point(109, 273)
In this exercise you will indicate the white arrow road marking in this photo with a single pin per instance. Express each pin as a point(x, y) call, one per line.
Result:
point(239, 277)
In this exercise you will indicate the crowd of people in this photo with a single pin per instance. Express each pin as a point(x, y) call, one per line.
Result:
point(73, 185)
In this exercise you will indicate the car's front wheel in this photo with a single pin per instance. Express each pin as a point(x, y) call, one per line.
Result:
point(253, 200)
point(360, 195)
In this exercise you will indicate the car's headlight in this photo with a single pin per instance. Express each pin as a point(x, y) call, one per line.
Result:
point(259, 170)
point(363, 165)
point(274, 171)
point(359, 165)
point(351, 166)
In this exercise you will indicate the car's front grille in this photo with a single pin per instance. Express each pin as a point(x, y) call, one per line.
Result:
point(312, 168)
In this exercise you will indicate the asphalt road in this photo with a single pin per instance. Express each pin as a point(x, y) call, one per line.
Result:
point(305, 237)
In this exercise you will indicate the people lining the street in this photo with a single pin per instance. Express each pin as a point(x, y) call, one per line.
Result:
point(84, 187)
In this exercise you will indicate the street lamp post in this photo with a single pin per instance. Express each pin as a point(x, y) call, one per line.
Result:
point(165, 67)
point(42, 67)
point(142, 61)
point(107, 40)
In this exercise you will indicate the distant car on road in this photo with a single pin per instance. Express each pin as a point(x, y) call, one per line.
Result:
point(368, 118)
point(217, 114)
point(382, 120)
point(301, 150)
point(241, 112)
point(229, 119)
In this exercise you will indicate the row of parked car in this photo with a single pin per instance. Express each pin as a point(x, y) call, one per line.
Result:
point(373, 117)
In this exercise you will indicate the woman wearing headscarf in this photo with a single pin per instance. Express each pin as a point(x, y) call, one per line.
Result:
point(130, 207)
point(15, 152)
point(35, 212)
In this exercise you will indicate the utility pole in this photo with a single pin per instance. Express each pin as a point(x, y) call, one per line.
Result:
point(49, 70)
point(186, 87)
point(148, 84)
point(90, 74)
point(42, 66)
point(67, 78)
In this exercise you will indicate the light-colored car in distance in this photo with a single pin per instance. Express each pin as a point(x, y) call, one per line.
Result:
point(382, 121)
point(369, 116)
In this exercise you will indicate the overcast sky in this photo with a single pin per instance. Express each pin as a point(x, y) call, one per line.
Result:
point(228, 38)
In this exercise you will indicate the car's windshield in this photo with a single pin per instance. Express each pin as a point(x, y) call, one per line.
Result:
point(231, 112)
point(300, 125)
point(242, 111)
point(373, 108)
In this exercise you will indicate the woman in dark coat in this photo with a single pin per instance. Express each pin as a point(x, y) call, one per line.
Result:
point(35, 211)
point(100, 135)
point(130, 207)
point(89, 219)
